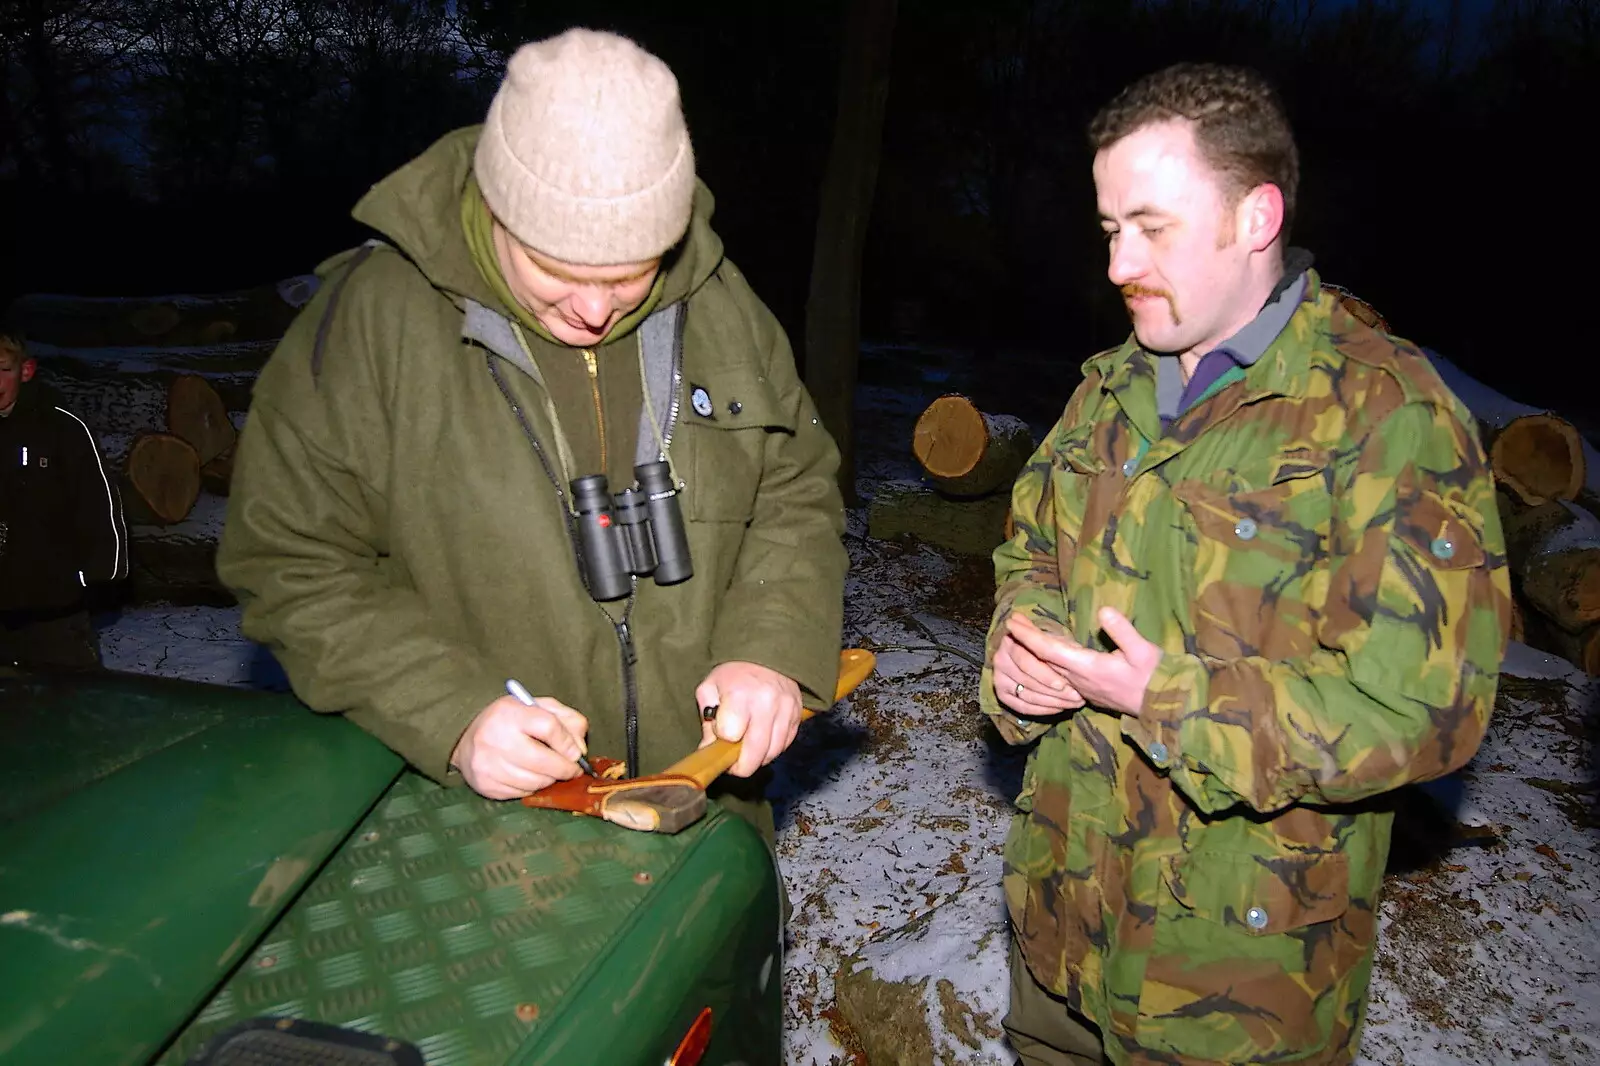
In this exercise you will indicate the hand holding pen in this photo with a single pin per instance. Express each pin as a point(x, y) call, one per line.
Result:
point(514, 687)
point(520, 744)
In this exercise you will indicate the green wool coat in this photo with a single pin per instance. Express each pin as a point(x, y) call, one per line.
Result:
point(396, 541)
point(1315, 546)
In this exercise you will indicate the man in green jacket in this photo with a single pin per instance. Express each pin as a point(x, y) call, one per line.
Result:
point(1257, 582)
point(547, 302)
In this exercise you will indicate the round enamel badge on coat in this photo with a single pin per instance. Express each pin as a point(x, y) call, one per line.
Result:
point(700, 400)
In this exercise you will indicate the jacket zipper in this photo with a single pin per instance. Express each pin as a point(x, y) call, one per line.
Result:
point(630, 657)
point(599, 411)
point(630, 690)
point(677, 384)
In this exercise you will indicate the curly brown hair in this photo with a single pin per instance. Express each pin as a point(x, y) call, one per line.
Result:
point(1240, 124)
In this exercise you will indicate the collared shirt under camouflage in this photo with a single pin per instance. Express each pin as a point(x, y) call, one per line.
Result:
point(1315, 546)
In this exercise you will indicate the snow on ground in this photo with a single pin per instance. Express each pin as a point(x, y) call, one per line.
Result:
point(197, 643)
point(893, 808)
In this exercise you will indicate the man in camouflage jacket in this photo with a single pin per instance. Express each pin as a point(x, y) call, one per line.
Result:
point(1257, 581)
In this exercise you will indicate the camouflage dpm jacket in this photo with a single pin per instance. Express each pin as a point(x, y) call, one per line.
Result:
point(1315, 546)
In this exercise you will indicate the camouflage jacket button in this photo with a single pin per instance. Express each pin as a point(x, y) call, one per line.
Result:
point(1256, 918)
point(1129, 466)
point(1158, 753)
point(1442, 548)
point(1246, 529)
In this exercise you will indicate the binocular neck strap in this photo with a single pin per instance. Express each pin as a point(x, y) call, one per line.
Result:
point(563, 450)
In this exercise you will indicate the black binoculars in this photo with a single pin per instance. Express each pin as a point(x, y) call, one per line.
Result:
point(638, 533)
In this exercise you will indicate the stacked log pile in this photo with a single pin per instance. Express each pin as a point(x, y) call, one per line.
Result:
point(1552, 527)
point(969, 459)
point(165, 472)
point(165, 475)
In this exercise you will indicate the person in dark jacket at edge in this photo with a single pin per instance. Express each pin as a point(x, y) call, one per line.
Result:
point(547, 302)
point(61, 523)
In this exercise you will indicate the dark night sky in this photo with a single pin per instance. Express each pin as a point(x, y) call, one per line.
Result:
point(1410, 198)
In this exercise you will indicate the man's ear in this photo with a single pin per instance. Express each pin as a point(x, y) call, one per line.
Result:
point(1261, 216)
point(28, 367)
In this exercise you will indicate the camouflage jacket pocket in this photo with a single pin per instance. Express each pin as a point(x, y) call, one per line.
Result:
point(1255, 561)
point(1434, 557)
point(1260, 896)
point(1246, 951)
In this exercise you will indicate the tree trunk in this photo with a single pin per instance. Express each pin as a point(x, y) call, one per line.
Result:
point(163, 473)
point(1540, 458)
point(966, 452)
point(833, 305)
point(1554, 553)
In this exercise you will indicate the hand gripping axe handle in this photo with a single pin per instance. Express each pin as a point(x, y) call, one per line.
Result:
point(675, 798)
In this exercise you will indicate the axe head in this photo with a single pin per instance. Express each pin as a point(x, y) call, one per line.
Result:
point(663, 803)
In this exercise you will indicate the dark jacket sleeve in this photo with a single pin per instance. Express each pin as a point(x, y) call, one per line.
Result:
point(98, 524)
point(784, 608)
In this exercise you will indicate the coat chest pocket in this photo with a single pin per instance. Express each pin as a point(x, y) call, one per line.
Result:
point(1255, 557)
point(726, 419)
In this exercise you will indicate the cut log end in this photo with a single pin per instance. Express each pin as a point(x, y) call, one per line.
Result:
point(1540, 458)
point(966, 452)
point(197, 414)
point(950, 437)
point(164, 473)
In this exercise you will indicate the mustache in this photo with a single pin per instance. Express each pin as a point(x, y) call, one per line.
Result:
point(1131, 291)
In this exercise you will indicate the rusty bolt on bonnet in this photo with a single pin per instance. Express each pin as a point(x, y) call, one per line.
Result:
point(527, 1012)
point(643, 877)
point(267, 962)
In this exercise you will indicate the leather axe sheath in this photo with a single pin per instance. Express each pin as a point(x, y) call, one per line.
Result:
point(675, 798)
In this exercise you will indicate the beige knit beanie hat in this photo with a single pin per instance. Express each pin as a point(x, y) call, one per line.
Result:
point(585, 155)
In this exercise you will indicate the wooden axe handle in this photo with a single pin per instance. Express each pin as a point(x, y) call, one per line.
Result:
point(716, 758)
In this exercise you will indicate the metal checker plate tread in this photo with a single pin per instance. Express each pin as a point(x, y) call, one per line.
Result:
point(446, 920)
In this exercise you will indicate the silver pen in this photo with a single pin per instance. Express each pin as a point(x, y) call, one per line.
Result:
point(522, 695)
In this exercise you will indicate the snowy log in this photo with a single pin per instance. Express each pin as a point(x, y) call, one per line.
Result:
point(1581, 649)
point(934, 989)
point(1540, 457)
point(162, 472)
point(176, 570)
point(196, 413)
point(970, 527)
point(1554, 553)
point(1495, 409)
point(967, 452)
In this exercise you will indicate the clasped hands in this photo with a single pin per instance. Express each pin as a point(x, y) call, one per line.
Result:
point(511, 749)
point(1040, 674)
